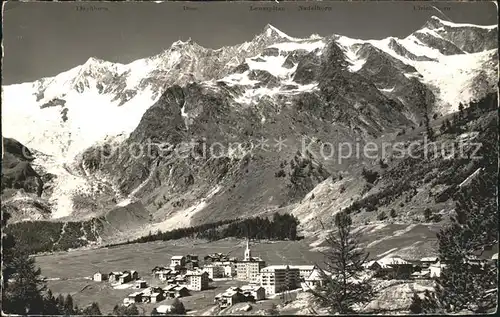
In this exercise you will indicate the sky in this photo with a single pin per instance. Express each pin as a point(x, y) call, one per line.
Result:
point(45, 39)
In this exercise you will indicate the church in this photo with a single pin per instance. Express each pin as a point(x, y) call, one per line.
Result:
point(249, 268)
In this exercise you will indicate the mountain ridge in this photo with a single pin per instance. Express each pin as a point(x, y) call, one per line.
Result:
point(330, 88)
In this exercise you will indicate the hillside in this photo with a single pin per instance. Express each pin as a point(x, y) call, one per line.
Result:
point(200, 135)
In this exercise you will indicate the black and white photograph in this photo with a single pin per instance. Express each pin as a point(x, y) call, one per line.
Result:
point(249, 158)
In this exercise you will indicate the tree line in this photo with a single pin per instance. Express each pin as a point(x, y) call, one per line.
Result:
point(47, 236)
point(279, 227)
point(24, 290)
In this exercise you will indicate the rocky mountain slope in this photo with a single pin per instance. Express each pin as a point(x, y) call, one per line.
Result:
point(195, 135)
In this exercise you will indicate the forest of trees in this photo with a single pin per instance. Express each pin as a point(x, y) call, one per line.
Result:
point(24, 291)
point(472, 231)
point(45, 236)
point(279, 227)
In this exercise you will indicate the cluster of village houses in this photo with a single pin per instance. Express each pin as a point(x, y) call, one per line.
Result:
point(185, 275)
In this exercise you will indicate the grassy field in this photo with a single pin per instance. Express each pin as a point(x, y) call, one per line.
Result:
point(70, 272)
point(143, 257)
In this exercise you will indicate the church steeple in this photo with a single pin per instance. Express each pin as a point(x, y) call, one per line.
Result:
point(248, 253)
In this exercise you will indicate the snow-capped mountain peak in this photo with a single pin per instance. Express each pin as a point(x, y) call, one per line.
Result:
point(67, 113)
point(271, 33)
point(436, 22)
point(270, 30)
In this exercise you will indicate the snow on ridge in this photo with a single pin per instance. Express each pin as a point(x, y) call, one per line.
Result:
point(182, 218)
point(416, 47)
point(458, 25)
point(454, 77)
point(271, 64)
point(48, 133)
point(386, 89)
point(239, 79)
point(270, 29)
point(351, 53)
point(253, 95)
point(293, 46)
point(431, 32)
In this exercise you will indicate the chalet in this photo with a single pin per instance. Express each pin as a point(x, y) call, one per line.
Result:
point(156, 297)
point(372, 265)
point(229, 298)
point(113, 277)
point(428, 261)
point(153, 295)
point(254, 292)
point(135, 297)
point(393, 267)
point(163, 274)
point(134, 274)
point(159, 269)
point(191, 265)
point(176, 291)
point(124, 278)
point(191, 257)
point(140, 284)
point(99, 277)
point(165, 309)
point(235, 295)
point(422, 275)
point(435, 270)
point(177, 260)
point(214, 257)
point(179, 279)
point(315, 279)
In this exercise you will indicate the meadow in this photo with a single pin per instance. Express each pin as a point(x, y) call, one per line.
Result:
point(70, 272)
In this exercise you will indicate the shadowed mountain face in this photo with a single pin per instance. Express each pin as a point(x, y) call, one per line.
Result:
point(466, 37)
point(17, 172)
point(195, 135)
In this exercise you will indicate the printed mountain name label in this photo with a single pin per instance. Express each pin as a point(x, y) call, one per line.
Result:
point(314, 8)
point(90, 8)
point(266, 8)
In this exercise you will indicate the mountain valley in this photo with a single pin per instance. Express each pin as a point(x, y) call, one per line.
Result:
point(194, 136)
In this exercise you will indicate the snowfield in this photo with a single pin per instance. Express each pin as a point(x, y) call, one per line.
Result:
point(63, 115)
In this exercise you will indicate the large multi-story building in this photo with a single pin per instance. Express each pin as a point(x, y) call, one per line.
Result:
point(197, 280)
point(304, 270)
point(214, 271)
point(249, 268)
point(228, 266)
point(279, 278)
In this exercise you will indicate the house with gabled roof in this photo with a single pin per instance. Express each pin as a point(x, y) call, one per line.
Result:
point(425, 262)
point(99, 277)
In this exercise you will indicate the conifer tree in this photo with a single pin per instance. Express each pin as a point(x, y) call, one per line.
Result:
point(463, 286)
point(22, 283)
point(344, 284)
point(178, 308)
point(92, 310)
